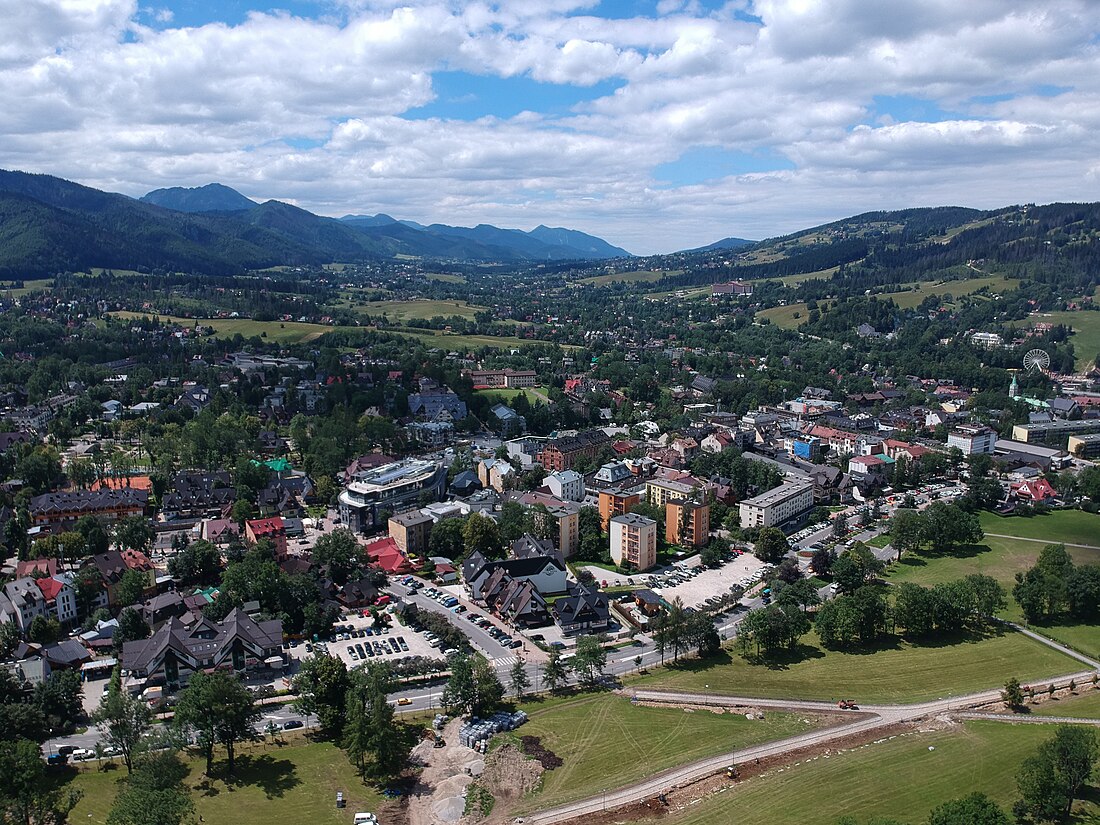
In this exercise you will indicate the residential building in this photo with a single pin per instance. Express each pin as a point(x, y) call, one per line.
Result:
point(60, 597)
point(272, 529)
point(987, 340)
point(198, 495)
point(496, 473)
point(54, 512)
point(437, 405)
point(1055, 433)
point(386, 555)
point(614, 472)
point(23, 602)
point(411, 531)
point(869, 467)
point(502, 379)
point(568, 485)
point(584, 610)
point(659, 492)
point(387, 489)
point(562, 453)
point(566, 536)
point(732, 288)
point(431, 434)
point(113, 565)
point(540, 565)
point(687, 523)
point(509, 422)
point(1086, 445)
point(614, 503)
point(634, 541)
point(176, 651)
point(972, 439)
point(787, 502)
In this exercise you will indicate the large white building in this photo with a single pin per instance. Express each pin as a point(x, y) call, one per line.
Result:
point(972, 439)
point(568, 485)
point(633, 541)
point(374, 494)
point(786, 502)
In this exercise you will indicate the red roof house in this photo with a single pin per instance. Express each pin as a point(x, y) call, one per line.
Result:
point(386, 555)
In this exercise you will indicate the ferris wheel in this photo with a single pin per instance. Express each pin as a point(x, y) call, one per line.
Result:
point(1037, 359)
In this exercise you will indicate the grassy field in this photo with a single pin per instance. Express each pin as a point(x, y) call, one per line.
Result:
point(283, 332)
point(401, 311)
point(922, 290)
point(1085, 705)
point(795, 280)
point(446, 277)
point(1002, 558)
point(784, 317)
point(1086, 333)
point(28, 286)
point(292, 783)
point(607, 742)
point(436, 338)
point(1071, 526)
point(643, 276)
point(894, 672)
point(901, 778)
point(510, 394)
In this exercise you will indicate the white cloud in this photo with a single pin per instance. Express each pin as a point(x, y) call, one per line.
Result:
point(89, 92)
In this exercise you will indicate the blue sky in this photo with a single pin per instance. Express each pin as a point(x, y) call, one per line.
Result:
point(658, 124)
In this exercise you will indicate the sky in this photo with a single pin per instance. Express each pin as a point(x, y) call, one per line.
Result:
point(656, 124)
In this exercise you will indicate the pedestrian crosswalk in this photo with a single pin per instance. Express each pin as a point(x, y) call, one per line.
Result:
point(505, 661)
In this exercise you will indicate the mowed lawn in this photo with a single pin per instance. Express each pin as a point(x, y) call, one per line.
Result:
point(292, 783)
point(641, 276)
point(895, 672)
point(900, 778)
point(1071, 526)
point(606, 742)
point(787, 317)
point(1084, 705)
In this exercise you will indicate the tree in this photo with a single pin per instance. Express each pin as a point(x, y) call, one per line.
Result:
point(771, 545)
point(446, 539)
point(340, 552)
point(123, 721)
point(1049, 780)
point(1013, 694)
point(95, 537)
point(589, 661)
point(989, 595)
point(519, 679)
point(481, 535)
point(1083, 592)
point(554, 675)
point(856, 567)
point(840, 525)
point(197, 563)
point(44, 631)
point(913, 609)
point(26, 793)
point(906, 531)
point(1042, 591)
point(947, 526)
point(322, 685)
point(131, 587)
point(514, 521)
point(155, 793)
point(473, 688)
point(131, 627)
point(58, 697)
point(975, 809)
point(134, 533)
point(370, 729)
point(220, 710)
point(821, 562)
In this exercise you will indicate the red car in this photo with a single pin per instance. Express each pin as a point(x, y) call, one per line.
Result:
point(381, 600)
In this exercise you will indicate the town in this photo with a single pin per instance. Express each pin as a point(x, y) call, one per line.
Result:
point(424, 548)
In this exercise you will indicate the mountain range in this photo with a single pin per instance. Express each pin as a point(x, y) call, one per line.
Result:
point(48, 224)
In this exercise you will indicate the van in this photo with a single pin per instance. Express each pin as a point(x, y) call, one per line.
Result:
point(365, 819)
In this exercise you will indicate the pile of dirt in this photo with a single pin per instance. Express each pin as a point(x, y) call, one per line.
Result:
point(509, 775)
point(533, 747)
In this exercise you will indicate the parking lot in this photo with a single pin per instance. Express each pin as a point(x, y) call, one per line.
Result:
point(711, 582)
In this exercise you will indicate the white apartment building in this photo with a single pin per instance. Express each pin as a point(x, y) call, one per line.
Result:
point(633, 541)
point(972, 439)
point(568, 485)
point(787, 501)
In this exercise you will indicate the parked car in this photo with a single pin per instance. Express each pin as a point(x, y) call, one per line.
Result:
point(292, 724)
